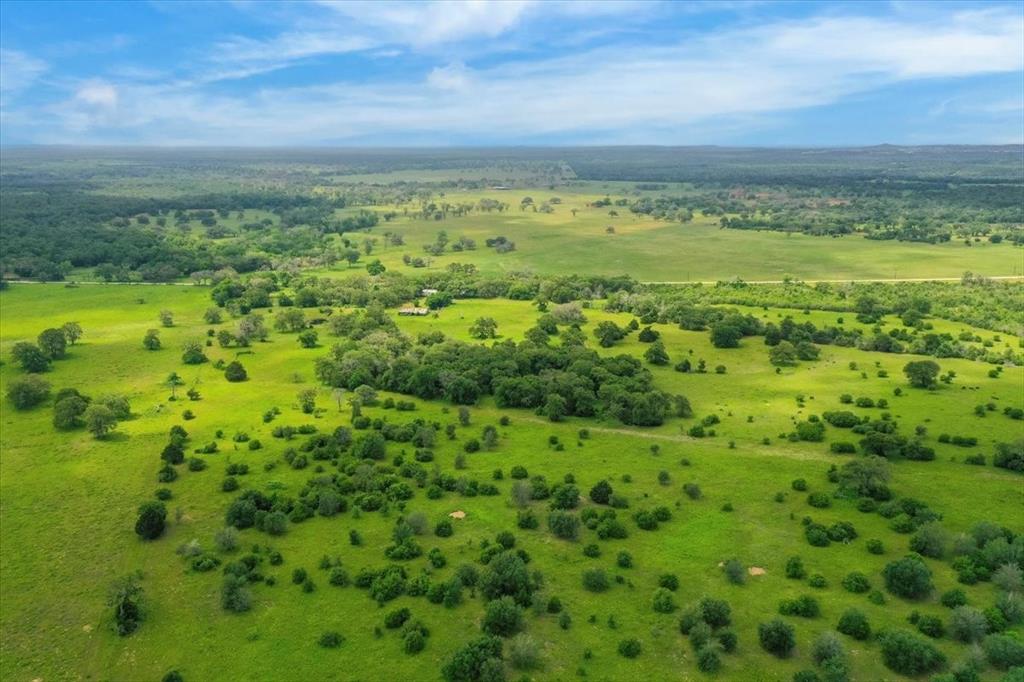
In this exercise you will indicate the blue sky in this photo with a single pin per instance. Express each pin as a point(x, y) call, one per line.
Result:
point(507, 73)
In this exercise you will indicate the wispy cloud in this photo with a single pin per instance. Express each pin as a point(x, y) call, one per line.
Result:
point(19, 70)
point(667, 91)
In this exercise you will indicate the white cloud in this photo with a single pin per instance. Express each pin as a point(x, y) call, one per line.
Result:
point(18, 70)
point(97, 94)
point(455, 76)
point(433, 23)
point(652, 93)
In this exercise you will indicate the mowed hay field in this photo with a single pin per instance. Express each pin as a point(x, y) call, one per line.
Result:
point(665, 251)
point(69, 501)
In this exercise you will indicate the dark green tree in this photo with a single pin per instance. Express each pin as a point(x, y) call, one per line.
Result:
point(152, 520)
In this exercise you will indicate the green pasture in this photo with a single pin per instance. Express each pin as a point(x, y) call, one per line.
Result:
point(653, 250)
point(68, 501)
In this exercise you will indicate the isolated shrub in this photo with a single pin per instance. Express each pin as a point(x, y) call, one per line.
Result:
point(235, 371)
point(330, 640)
point(151, 521)
point(854, 624)
point(795, 568)
point(125, 598)
point(735, 572)
point(921, 373)
point(856, 583)
point(777, 637)
point(595, 580)
point(630, 648)
point(669, 581)
point(624, 560)
point(817, 581)
point(819, 500)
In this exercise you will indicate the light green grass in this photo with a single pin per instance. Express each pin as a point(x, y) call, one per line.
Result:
point(68, 504)
point(651, 250)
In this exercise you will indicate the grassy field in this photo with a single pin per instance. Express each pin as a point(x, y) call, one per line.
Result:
point(68, 501)
point(652, 250)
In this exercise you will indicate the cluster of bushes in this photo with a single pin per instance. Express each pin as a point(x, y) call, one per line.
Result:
point(173, 454)
point(818, 535)
point(692, 307)
point(706, 624)
point(50, 345)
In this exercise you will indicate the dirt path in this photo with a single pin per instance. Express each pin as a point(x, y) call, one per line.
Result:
point(760, 451)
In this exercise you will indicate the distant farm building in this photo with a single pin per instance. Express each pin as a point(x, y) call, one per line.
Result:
point(427, 292)
point(414, 311)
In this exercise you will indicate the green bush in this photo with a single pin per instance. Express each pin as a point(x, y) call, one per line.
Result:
point(1003, 651)
point(151, 521)
point(908, 577)
point(777, 637)
point(595, 580)
point(908, 654)
point(630, 648)
point(663, 602)
point(330, 640)
point(856, 582)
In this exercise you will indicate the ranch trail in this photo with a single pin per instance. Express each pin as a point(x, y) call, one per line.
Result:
point(676, 439)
